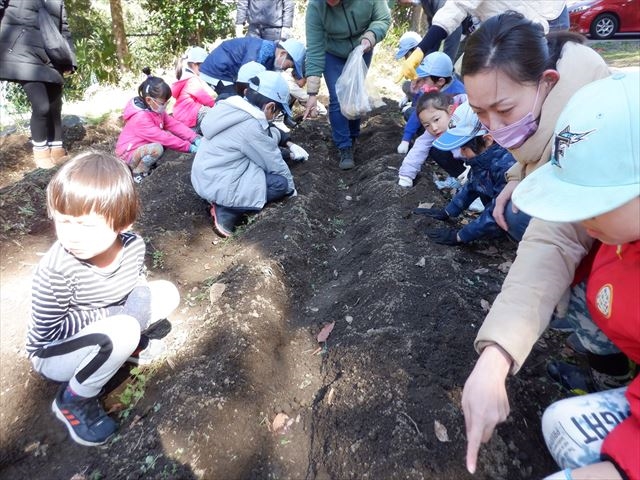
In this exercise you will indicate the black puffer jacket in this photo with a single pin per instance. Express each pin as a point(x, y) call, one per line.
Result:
point(22, 54)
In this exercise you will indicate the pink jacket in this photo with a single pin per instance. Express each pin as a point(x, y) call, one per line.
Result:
point(191, 93)
point(144, 126)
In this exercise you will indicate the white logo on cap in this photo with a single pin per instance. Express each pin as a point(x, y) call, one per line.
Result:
point(564, 139)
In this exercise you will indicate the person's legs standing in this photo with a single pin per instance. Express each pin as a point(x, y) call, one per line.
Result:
point(54, 120)
point(39, 99)
point(339, 123)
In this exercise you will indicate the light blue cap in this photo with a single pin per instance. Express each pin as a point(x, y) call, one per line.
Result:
point(249, 70)
point(463, 126)
point(408, 41)
point(595, 162)
point(274, 87)
point(436, 64)
point(297, 52)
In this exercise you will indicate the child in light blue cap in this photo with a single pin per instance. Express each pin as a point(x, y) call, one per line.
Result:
point(486, 179)
point(240, 168)
point(434, 73)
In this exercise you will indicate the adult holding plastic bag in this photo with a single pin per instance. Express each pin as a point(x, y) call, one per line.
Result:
point(334, 29)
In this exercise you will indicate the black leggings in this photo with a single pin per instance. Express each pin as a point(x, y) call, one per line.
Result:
point(46, 110)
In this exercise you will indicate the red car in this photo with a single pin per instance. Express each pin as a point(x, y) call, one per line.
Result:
point(604, 18)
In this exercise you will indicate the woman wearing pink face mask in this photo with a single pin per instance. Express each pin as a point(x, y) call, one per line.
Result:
point(518, 81)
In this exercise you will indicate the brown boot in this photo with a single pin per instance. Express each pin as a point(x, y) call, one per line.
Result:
point(59, 155)
point(42, 158)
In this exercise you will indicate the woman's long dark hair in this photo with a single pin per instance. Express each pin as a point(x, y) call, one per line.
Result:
point(515, 45)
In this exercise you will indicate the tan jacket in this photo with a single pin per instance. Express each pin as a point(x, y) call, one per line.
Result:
point(549, 252)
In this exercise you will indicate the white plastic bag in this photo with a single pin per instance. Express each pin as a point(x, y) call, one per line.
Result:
point(351, 87)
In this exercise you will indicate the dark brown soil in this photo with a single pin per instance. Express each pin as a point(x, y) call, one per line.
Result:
point(345, 250)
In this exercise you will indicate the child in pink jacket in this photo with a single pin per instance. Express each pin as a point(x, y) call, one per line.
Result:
point(194, 97)
point(148, 129)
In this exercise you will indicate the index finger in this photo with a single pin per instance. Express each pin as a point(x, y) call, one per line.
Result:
point(474, 439)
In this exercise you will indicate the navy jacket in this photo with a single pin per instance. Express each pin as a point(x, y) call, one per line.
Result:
point(226, 59)
point(486, 180)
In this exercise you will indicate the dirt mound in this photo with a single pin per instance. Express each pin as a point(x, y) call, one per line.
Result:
point(243, 344)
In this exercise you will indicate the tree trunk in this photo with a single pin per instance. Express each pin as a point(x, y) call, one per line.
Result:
point(122, 48)
point(417, 20)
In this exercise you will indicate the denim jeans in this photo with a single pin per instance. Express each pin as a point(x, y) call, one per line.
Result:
point(343, 130)
point(277, 188)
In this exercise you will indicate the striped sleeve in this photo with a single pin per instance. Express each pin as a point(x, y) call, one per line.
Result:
point(68, 294)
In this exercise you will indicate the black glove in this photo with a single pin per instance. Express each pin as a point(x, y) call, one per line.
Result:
point(437, 213)
point(443, 236)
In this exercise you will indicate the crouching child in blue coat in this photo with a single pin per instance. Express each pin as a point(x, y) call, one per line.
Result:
point(488, 163)
point(239, 167)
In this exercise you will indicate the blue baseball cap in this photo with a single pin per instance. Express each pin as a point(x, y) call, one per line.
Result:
point(463, 126)
point(408, 41)
point(297, 52)
point(595, 162)
point(436, 64)
point(274, 87)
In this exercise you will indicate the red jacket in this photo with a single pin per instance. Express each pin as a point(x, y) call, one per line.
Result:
point(191, 93)
point(613, 299)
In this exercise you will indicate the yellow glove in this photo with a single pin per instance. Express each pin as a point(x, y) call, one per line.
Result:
point(408, 69)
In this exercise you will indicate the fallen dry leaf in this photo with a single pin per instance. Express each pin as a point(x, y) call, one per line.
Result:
point(441, 431)
point(279, 424)
point(215, 292)
point(486, 306)
point(481, 270)
point(325, 332)
point(421, 263)
point(425, 205)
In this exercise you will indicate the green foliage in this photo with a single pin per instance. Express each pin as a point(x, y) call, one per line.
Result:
point(180, 24)
point(95, 47)
point(134, 390)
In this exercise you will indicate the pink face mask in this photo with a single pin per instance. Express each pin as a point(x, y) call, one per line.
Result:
point(514, 135)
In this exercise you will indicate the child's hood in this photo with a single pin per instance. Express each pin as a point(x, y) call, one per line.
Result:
point(179, 85)
point(135, 106)
point(228, 113)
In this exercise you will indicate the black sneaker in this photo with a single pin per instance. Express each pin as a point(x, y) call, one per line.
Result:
point(576, 379)
point(223, 223)
point(87, 422)
point(346, 159)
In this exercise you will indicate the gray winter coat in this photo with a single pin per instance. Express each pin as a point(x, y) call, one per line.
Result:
point(22, 54)
point(266, 13)
point(235, 154)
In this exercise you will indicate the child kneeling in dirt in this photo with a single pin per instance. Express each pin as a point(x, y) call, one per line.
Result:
point(90, 298)
point(489, 163)
point(148, 129)
point(239, 167)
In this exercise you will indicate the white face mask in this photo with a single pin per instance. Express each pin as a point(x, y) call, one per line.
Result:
point(279, 67)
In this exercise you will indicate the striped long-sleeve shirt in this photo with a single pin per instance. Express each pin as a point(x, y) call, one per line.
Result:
point(69, 294)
